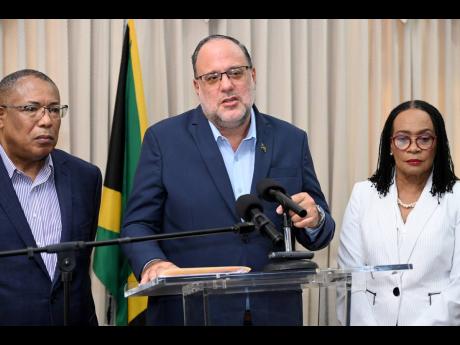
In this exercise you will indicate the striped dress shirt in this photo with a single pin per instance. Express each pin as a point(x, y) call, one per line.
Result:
point(40, 204)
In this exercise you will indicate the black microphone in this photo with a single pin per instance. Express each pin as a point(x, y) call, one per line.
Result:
point(250, 208)
point(271, 190)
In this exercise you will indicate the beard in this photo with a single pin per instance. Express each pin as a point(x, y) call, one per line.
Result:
point(232, 124)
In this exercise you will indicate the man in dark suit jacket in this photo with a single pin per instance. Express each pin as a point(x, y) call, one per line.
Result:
point(189, 177)
point(47, 197)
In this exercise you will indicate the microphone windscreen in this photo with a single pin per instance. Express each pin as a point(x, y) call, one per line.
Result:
point(265, 185)
point(245, 204)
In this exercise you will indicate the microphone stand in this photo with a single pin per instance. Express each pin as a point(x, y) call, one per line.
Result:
point(289, 259)
point(66, 251)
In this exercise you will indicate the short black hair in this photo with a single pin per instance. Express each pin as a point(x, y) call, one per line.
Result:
point(8, 82)
point(443, 168)
point(219, 37)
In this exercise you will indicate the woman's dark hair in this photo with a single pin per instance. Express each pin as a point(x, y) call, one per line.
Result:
point(443, 168)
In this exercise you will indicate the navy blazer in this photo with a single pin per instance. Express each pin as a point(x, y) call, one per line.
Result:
point(181, 184)
point(27, 294)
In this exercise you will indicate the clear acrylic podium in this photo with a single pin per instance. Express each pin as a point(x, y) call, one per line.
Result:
point(325, 284)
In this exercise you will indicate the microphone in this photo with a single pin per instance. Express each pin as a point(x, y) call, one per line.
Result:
point(271, 190)
point(250, 208)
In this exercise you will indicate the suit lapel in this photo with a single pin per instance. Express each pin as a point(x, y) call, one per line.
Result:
point(10, 203)
point(417, 220)
point(207, 146)
point(264, 150)
point(387, 208)
point(64, 193)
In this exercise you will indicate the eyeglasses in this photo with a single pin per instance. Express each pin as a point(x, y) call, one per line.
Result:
point(423, 142)
point(33, 111)
point(234, 73)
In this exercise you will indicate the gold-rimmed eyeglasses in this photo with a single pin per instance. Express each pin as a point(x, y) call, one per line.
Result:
point(423, 141)
point(234, 73)
point(33, 110)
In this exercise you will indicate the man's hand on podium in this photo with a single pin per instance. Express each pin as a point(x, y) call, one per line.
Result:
point(154, 269)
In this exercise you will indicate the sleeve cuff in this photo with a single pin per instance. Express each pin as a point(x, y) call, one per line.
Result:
point(322, 218)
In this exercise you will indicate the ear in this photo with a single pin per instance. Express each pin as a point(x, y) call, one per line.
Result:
point(196, 87)
point(2, 117)
point(253, 73)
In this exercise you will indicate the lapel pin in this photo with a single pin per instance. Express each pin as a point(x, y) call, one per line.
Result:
point(263, 148)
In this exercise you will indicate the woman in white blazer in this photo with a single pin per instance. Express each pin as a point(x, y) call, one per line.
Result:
point(407, 212)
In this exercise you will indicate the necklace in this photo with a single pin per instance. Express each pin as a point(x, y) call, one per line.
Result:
point(411, 205)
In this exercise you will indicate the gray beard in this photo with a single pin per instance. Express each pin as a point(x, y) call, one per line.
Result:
point(230, 125)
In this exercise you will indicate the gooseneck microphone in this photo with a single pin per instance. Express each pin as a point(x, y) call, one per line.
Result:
point(250, 208)
point(271, 190)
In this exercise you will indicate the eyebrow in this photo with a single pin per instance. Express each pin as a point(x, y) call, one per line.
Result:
point(38, 103)
point(232, 67)
point(418, 132)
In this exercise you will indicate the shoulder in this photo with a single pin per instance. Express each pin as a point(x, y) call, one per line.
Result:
point(456, 189)
point(277, 123)
point(364, 195)
point(451, 202)
point(173, 123)
point(73, 162)
point(282, 131)
point(455, 194)
point(364, 189)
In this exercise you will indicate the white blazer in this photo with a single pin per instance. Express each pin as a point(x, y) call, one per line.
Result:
point(430, 240)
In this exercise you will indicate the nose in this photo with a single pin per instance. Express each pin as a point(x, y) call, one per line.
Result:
point(413, 146)
point(45, 117)
point(225, 82)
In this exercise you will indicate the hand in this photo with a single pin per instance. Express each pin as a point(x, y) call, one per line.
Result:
point(155, 269)
point(305, 201)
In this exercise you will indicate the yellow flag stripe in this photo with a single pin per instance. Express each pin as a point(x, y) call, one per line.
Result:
point(136, 305)
point(138, 85)
point(110, 213)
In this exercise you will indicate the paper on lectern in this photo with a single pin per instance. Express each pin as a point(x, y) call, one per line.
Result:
point(199, 271)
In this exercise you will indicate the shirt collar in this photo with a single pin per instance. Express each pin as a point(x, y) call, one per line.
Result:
point(252, 133)
point(11, 168)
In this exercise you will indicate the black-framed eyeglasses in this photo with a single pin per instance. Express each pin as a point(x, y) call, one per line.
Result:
point(33, 111)
point(234, 73)
point(423, 141)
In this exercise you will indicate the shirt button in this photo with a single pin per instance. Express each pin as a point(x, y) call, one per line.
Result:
point(396, 291)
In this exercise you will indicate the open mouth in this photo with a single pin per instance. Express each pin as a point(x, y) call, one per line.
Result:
point(230, 100)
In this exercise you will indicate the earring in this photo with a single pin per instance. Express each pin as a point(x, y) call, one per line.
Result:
point(391, 153)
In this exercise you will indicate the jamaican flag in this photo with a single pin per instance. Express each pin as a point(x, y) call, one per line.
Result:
point(128, 128)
